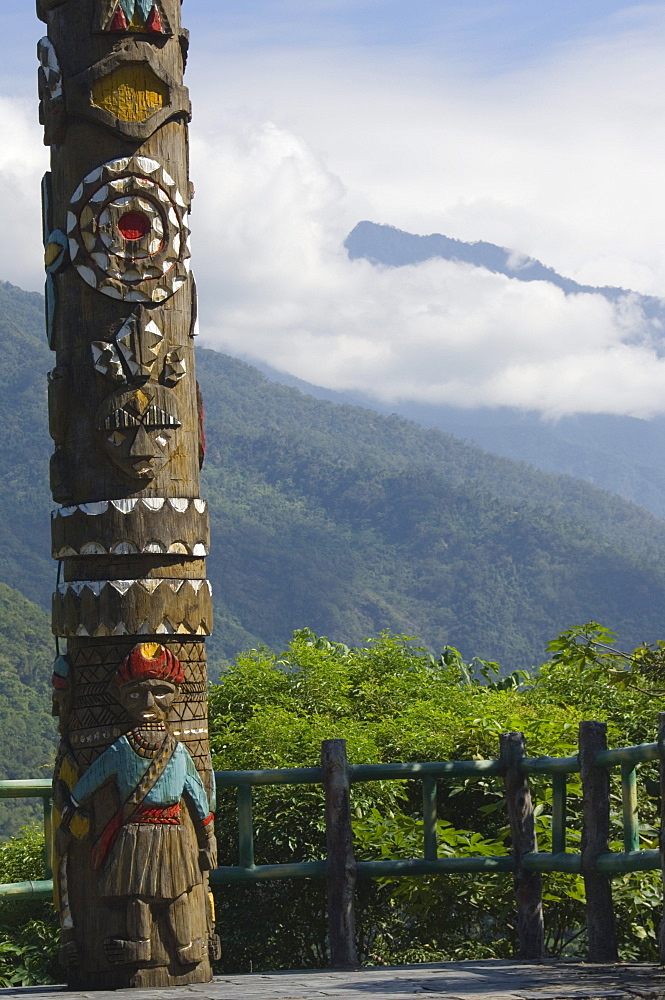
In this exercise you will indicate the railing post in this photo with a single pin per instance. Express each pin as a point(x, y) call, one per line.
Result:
point(595, 835)
point(528, 885)
point(48, 836)
point(430, 835)
point(341, 872)
point(661, 836)
point(245, 827)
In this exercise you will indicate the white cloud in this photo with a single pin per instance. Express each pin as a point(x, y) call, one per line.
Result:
point(276, 285)
point(23, 160)
point(562, 160)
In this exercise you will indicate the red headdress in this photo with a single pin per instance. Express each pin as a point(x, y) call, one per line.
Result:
point(150, 660)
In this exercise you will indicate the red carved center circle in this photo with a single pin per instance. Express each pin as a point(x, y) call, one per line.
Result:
point(134, 225)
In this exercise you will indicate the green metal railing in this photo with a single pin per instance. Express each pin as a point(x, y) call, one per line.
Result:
point(33, 788)
point(429, 773)
point(429, 864)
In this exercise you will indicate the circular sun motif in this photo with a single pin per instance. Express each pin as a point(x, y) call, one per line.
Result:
point(127, 232)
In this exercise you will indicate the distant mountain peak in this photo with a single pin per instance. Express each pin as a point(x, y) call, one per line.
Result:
point(385, 245)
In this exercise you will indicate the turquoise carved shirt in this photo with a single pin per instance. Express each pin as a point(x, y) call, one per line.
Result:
point(179, 778)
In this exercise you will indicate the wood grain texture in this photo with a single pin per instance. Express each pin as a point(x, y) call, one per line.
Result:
point(133, 528)
point(527, 884)
point(341, 874)
point(595, 835)
point(132, 533)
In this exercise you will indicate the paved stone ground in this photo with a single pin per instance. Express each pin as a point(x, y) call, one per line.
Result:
point(492, 980)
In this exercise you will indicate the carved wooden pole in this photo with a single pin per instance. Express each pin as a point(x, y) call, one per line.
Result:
point(133, 784)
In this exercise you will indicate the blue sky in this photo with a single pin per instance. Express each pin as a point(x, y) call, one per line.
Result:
point(487, 35)
point(536, 125)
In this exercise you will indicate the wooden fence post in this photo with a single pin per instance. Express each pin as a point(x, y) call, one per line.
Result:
point(528, 885)
point(661, 835)
point(341, 874)
point(595, 835)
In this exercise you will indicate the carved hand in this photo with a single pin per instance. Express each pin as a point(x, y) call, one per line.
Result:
point(208, 854)
point(62, 837)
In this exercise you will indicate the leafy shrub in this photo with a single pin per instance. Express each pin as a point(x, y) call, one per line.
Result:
point(28, 930)
point(392, 701)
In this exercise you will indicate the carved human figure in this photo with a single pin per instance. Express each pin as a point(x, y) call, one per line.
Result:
point(147, 855)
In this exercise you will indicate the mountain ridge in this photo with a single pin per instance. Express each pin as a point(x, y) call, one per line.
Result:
point(389, 246)
point(350, 522)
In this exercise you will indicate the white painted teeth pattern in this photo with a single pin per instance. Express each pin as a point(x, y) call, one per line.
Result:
point(180, 504)
point(128, 548)
point(124, 506)
point(150, 585)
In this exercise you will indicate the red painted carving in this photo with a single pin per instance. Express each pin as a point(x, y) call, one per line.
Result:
point(158, 814)
point(140, 665)
point(134, 225)
point(154, 22)
point(119, 20)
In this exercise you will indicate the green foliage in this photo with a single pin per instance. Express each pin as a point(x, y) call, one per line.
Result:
point(393, 701)
point(28, 930)
point(27, 747)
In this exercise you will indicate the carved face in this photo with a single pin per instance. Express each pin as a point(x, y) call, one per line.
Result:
point(140, 430)
point(148, 700)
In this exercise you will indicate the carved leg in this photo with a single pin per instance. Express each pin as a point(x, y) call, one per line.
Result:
point(214, 943)
point(69, 954)
point(136, 946)
point(189, 952)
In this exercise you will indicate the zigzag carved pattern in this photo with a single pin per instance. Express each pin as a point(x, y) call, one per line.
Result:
point(94, 716)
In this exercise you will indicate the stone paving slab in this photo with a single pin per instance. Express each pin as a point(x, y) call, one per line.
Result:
point(489, 980)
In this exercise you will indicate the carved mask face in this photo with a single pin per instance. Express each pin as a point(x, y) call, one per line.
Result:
point(147, 701)
point(140, 430)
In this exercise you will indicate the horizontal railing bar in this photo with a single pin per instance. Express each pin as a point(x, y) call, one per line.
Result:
point(550, 765)
point(629, 861)
point(360, 772)
point(365, 869)
point(274, 776)
point(25, 788)
point(611, 862)
point(28, 890)
point(442, 866)
point(431, 769)
point(302, 869)
point(628, 755)
point(542, 861)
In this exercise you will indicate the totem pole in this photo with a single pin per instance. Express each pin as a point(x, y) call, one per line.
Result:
point(133, 786)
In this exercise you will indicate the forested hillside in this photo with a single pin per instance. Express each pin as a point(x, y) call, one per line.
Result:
point(349, 522)
point(27, 746)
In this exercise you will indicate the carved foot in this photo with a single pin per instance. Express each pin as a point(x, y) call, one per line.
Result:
point(122, 951)
point(214, 948)
point(69, 955)
point(192, 953)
